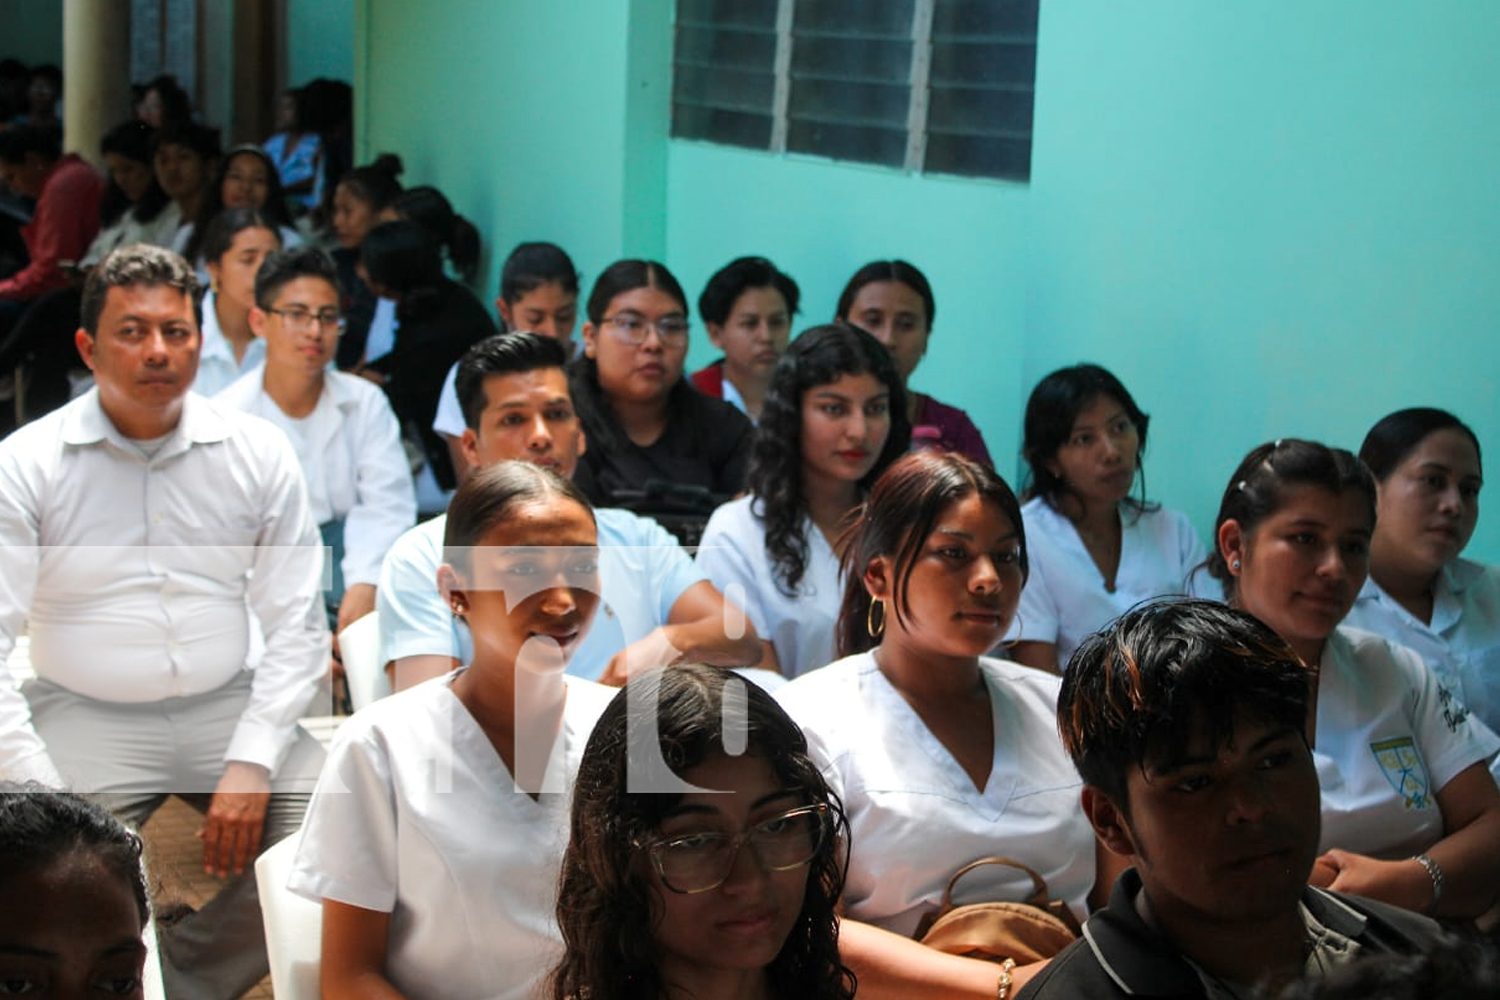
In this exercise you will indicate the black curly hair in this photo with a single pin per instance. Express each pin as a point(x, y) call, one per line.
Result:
point(40, 824)
point(817, 357)
point(606, 908)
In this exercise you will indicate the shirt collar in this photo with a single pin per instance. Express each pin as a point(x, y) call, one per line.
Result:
point(1141, 961)
point(200, 423)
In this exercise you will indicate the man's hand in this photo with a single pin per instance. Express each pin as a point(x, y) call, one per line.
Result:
point(236, 819)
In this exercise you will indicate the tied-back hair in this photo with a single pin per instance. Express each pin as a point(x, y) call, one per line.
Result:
point(405, 258)
point(1054, 405)
point(429, 208)
point(532, 265)
point(1153, 677)
point(607, 909)
point(817, 357)
point(39, 825)
point(1259, 487)
point(376, 184)
point(219, 234)
point(490, 495)
point(895, 522)
point(887, 270)
point(739, 276)
point(1396, 435)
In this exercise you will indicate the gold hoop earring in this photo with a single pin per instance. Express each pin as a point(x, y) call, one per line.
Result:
point(872, 625)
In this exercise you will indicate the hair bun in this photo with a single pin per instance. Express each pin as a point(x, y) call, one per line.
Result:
point(388, 163)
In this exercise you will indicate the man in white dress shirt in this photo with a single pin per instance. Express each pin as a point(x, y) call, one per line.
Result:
point(139, 523)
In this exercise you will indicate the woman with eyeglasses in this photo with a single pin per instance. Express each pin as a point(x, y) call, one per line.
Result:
point(434, 836)
point(648, 429)
point(941, 754)
point(834, 420)
point(235, 244)
point(340, 426)
point(706, 852)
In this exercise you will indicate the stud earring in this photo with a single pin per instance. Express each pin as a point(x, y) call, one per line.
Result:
point(1235, 565)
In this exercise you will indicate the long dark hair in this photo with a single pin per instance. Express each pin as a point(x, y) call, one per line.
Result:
point(1259, 487)
point(886, 270)
point(606, 909)
point(131, 140)
point(1050, 412)
point(817, 357)
point(895, 522)
point(213, 199)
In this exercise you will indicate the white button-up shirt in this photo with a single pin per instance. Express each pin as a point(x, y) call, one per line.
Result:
point(351, 454)
point(135, 572)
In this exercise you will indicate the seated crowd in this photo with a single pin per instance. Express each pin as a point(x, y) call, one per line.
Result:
point(733, 683)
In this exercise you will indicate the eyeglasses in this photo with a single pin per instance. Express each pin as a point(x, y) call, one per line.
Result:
point(302, 319)
point(697, 862)
point(632, 329)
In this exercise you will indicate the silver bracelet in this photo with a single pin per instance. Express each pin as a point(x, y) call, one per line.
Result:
point(1434, 872)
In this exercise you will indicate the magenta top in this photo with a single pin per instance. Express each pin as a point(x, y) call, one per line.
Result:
point(954, 430)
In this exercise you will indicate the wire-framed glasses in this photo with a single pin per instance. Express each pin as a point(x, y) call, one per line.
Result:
point(697, 862)
point(633, 328)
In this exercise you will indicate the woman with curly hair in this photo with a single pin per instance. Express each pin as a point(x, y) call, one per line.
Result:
point(705, 858)
point(834, 419)
point(942, 754)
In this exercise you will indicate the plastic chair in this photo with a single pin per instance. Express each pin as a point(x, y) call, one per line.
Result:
point(294, 926)
point(364, 671)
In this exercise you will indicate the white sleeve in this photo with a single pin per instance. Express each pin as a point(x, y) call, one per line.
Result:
point(1037, 615)
point(1191, 553)
point(449, 418)
point(413, 619)
point(23, 755)
point(1449, 737)
point(723, 559)
point(286, 594)
point(348, 847)
point(385, 502)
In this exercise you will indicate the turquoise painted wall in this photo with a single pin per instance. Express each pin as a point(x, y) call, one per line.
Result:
point(1270, 219)
point(32, 31)
point(541, 119)
point(820, 221)
point(320, 40)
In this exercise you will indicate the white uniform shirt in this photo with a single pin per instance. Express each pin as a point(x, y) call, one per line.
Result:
point(1064, 600)
point(217, 368)
point(448, 419)
point(134, 573)
point(417, 816)
point(1462, 643)
point(1389, 738)
point(733, 555)
point(642, 573)
point(915, 817)
point(350, 451)
point(158, 232)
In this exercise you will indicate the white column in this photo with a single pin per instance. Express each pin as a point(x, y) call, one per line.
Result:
point(96, 72)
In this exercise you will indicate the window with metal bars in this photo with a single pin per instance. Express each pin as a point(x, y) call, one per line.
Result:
point(942, 86)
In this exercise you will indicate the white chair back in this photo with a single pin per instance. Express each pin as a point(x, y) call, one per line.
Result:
point(294, 926)
point(364, 669)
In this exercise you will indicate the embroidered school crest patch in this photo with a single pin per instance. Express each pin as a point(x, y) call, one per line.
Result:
point(1404, 769)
